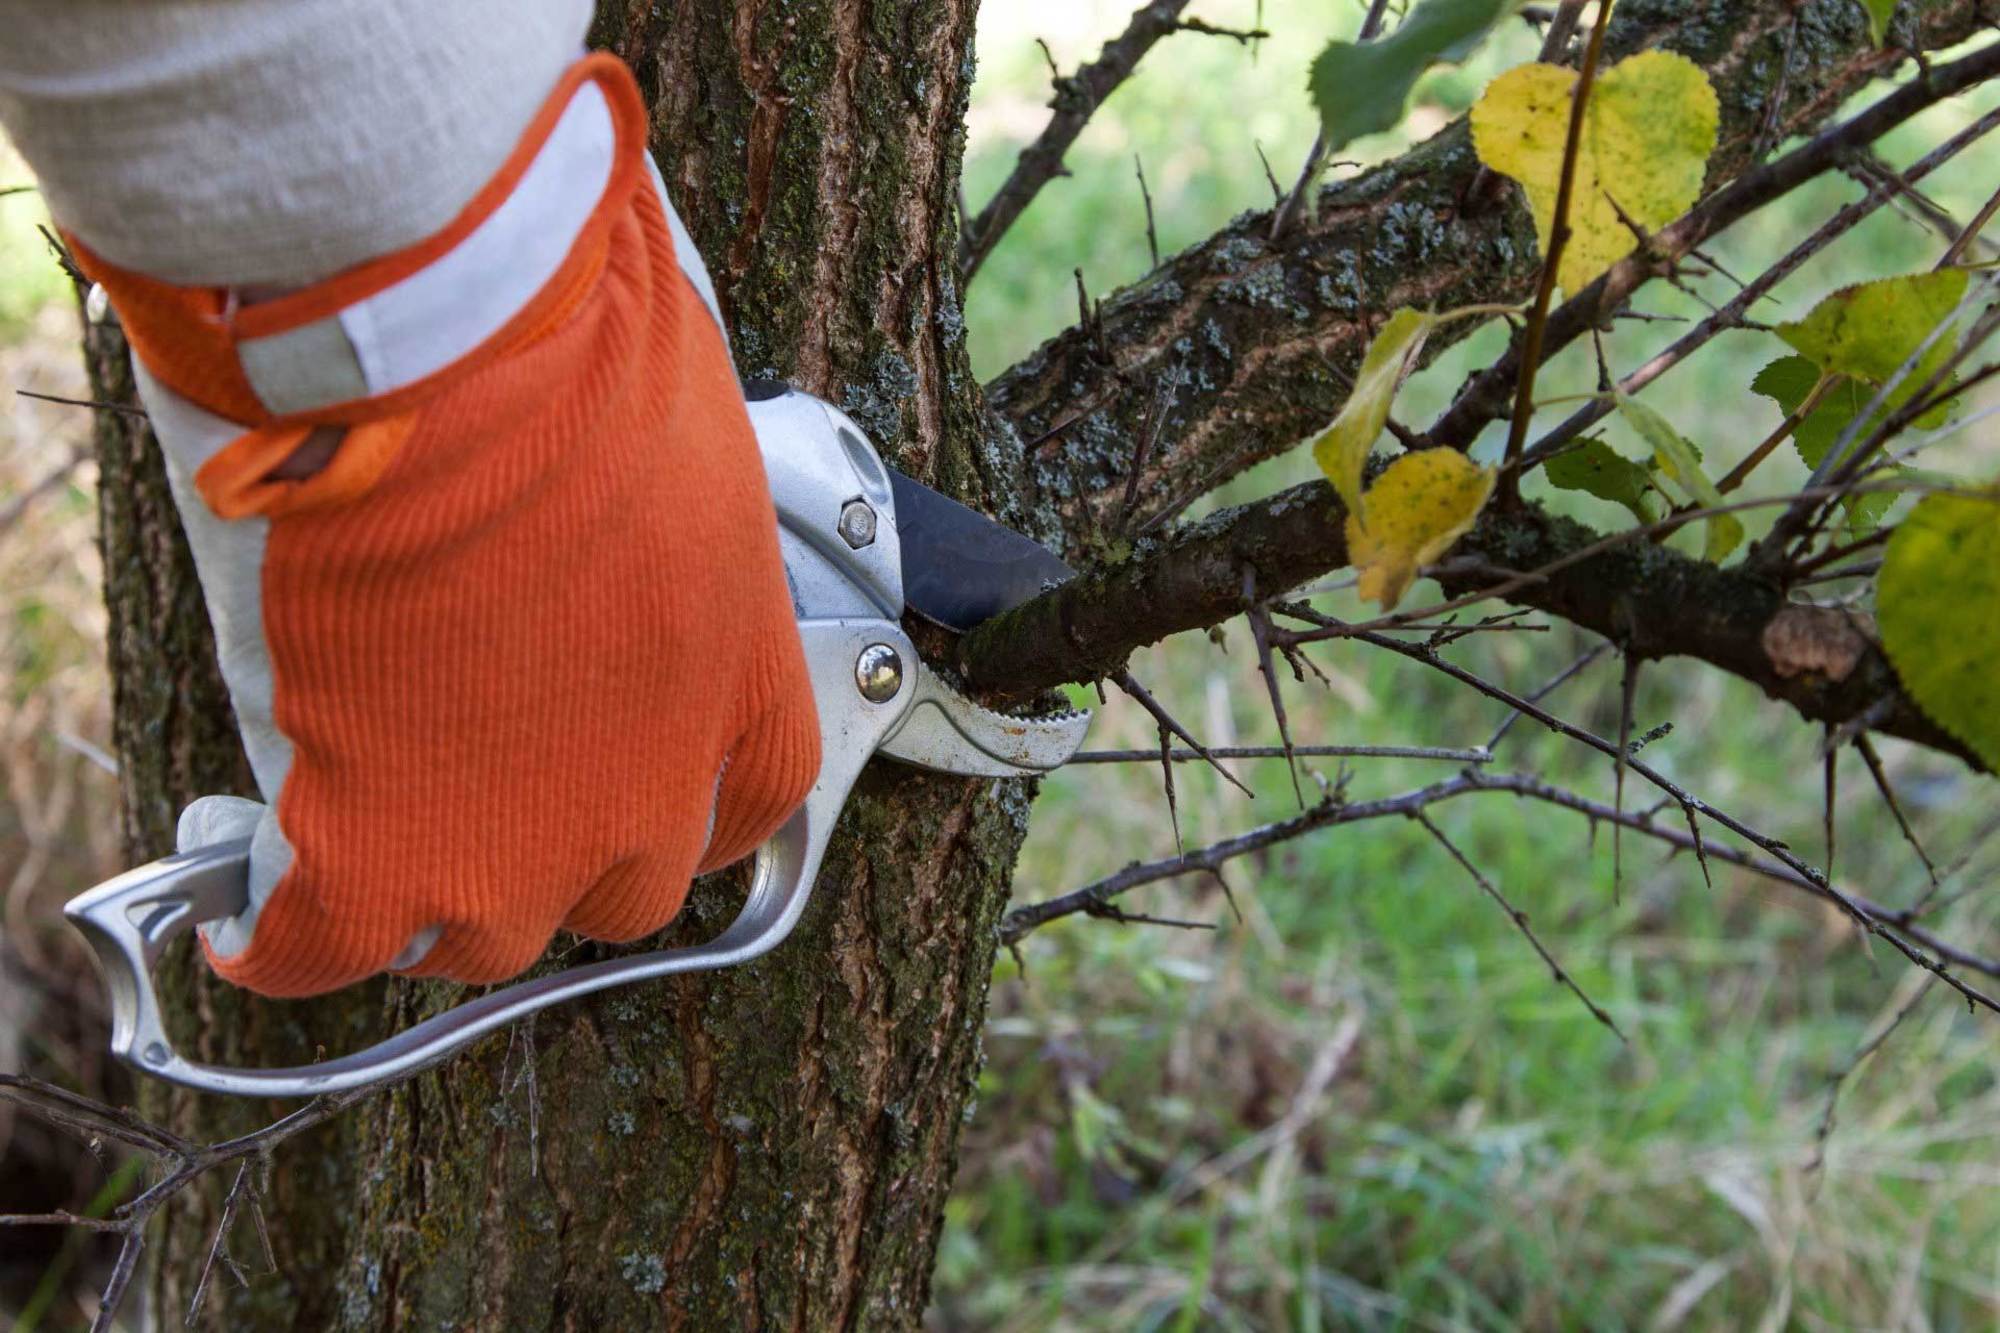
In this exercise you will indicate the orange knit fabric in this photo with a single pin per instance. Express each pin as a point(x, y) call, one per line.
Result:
point(514, 656)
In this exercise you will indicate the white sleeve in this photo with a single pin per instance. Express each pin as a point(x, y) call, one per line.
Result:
point(271, 143)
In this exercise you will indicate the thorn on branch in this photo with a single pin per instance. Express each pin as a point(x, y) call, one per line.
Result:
point(1627, 694)
point(1228, 894)
point(1244, 36)
point(1112, 912)
point(1055, 72)
point(1260, 629)
point(63, 258)
point(1090, 318)
point(1167, 723)
point(1152, 234)
point(1277, 190)
point(1882, 784)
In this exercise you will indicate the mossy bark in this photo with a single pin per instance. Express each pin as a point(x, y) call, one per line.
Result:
point(768, 1147)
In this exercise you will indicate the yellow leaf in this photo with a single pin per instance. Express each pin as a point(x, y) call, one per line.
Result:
point(1419, 506)
point(1345, 447)
point(1938, 604)
point(1647, 133)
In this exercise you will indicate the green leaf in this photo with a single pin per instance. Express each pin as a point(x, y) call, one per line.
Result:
point(1419, 506)
point(1878, 17)
point(1362, 88)
point(1599, 470)
point(1647, 134)
point(1869, 330)
point(1680, 463)
point(1788, 382)
point(1345, 446)
point(1938, 604)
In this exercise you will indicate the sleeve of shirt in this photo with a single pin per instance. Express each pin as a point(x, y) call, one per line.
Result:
point(271, 143)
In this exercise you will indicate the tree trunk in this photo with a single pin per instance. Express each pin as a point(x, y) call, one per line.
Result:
point(770, 1146)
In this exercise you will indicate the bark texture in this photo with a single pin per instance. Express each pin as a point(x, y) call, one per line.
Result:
point(768, 1147)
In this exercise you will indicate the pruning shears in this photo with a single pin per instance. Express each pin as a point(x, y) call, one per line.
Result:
point(862, 543)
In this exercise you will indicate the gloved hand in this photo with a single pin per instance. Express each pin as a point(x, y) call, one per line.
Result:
point(520, 654)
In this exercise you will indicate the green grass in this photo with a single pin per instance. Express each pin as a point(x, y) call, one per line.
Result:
point(1484, 1155)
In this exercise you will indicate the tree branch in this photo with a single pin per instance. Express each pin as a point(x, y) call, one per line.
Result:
point(1263, 338)
point(1489, 394)
point(1077, 98)
point(1334, 811)
point(1653, 599)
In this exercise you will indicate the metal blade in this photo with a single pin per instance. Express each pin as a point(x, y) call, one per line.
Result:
point(947, 732)
point(959, 566)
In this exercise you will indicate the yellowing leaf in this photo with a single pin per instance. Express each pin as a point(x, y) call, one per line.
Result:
point(1419, 506)
point(1361, 87)
point(1869, 330)
point(1680, 463)
point(1345, 446)
point(1878, 17)
point(1647, 133)
point(1938, 604)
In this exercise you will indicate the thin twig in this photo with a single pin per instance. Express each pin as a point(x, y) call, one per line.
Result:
point(1869, 921)
point(1152, 234)
point(1288, 211)
point(1545, 690)
point(1490, 393)
point(103, 405)
point(1468, 755)
point(1628, 694)
point(1888, 790)
point(1520, 920)
point(1824, 1130)
point(1168, 723)
point(1077, 98)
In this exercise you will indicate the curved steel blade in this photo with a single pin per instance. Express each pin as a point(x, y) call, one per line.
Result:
point(947, 732)
point(959, 566)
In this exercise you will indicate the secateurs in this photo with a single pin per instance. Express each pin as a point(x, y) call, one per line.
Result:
point(861, 544)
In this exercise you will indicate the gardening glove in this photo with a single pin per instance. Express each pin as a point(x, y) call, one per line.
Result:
point(493, 571)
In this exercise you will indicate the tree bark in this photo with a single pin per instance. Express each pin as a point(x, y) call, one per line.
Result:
point(772, 1146)
point(766, 1147)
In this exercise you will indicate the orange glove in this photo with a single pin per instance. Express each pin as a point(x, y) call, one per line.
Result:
point(521, 656)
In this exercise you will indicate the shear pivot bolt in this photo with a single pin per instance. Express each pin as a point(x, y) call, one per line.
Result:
point(878, 672)
point(857, 524)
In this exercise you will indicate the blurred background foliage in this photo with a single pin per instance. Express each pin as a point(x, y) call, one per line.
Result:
point(1361, 1102)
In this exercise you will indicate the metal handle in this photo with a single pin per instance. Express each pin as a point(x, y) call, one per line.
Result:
point(130, 920)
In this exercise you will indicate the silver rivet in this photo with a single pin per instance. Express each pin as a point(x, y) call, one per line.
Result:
point(878, 672)
point(857, 524)
point(155, 1053)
